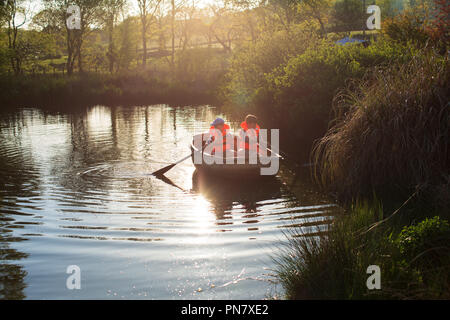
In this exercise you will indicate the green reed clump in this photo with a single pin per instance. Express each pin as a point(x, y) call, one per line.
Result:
point(391, 133)
point(334, 264)
point(326, 266)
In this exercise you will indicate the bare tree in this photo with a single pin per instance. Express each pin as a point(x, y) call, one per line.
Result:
point(247, 8)
point(109, 14)
point(174, 8)
point(186, 24)
point(160, 17)
point(147, 9)
point(223, 26)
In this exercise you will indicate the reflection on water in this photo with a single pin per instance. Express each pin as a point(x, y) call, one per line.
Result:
point(76, 189)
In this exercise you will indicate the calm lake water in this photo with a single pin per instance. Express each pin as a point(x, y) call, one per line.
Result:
point(76, 189)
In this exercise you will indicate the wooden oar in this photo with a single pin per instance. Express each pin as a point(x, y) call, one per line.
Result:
point(269, 147)
point(161, 171)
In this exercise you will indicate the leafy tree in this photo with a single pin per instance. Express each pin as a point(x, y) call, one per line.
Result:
point(13, 15)
point(109, 14)
point(75, 37)
point(285, 10)
point(128, 43)
point(318, 10)
point(350, 14)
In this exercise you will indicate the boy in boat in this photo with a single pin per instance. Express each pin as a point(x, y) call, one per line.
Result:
point(249, 134)
point(219, 136)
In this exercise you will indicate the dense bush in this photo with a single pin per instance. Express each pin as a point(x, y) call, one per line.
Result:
point(425, 242)
point(291, 81)
point(300, 94)
point(252, 61)
point(201, 66)
point(424, 25)
point(406, 28)
point(295, 91)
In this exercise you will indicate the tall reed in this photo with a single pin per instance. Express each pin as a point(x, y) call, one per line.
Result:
point(391, 133)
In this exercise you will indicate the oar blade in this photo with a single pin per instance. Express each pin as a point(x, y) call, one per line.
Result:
point(168, 181)
point(161, 171)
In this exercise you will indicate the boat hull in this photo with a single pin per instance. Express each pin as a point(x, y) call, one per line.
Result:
point(231, 166)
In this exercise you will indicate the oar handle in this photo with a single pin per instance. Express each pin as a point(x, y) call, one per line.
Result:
point(270, 148)
point(181, 160)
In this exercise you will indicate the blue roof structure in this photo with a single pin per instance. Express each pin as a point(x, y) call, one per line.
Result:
point(348, 40)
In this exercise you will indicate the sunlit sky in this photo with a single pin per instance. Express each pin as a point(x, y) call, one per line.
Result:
point(35, 6)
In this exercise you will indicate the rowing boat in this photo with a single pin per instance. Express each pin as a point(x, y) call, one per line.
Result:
point(230, 165)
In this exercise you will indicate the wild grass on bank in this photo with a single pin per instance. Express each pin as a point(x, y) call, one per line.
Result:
point(334, 264)
point(391, 134)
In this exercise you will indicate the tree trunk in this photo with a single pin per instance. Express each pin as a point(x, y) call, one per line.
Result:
point(12, 39)
point(70, 53)
point(80, 57)
point(173, 35)
point(69, 64)
point(144, 44)
point(111, 46)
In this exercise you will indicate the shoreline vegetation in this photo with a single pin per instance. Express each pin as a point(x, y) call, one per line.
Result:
point(373, 117)
point(61, 92)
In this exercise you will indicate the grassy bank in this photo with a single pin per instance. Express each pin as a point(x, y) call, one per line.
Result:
point(90, 88)
point(193, 79)
point(411, 251)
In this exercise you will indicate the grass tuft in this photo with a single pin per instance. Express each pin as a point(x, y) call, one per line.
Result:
point(391, 133)
point(333, 265)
